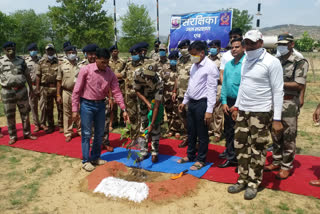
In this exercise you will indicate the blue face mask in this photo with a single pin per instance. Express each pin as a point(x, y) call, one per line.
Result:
point(135, 57)
point(162, 53)
point(85, 55)
point(173, 62)
point(33, 53)
point(213, 51)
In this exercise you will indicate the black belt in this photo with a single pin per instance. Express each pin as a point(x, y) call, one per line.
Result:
point(94, 101)
point(197, 101)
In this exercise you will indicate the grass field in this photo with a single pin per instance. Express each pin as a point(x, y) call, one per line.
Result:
point(32, 182)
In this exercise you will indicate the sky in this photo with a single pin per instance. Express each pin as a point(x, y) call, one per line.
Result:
point(274, 12)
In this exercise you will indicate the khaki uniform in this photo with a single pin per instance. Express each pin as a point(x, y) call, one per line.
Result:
point(217, 122)
point(294, 70)
point(33, 101)
point(154, 56)
point(14, 93)
point(47, 73)
point(66, 74)
point(151, 89)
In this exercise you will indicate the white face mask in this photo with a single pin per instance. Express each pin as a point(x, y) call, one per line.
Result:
point(283, 50)
point(184, 52)
point(72, 57)
point(254, 54)
point(50, 57)
point(195, 59)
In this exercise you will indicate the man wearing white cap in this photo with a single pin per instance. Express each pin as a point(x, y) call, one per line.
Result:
point(258, 106)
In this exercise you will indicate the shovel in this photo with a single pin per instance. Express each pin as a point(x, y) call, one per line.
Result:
point(180, 175)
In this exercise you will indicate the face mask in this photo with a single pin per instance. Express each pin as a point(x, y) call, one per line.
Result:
point(254, 54)
point(162, 53)
point(135, 57)
point(184, 52)
point(283, 50)
point(72, 57)
point(33, 53)
point(213, 51)
point(195, 59)
point(50, 57)
point(173, 62)
point(85, 55)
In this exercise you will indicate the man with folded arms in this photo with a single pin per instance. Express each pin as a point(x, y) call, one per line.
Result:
point(92, 86)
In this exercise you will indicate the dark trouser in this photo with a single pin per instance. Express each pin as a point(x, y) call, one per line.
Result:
point(197, 129)
point(229, 132)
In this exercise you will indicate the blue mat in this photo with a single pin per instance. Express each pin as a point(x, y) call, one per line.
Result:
point(166, 163)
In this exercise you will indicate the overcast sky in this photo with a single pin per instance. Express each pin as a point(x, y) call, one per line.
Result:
point(275, 12)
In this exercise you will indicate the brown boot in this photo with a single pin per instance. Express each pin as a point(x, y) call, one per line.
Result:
point(271, 167)
point(68, 139)
point(283, 174)
point(44, 128)
point(154, 158)
point(315, 183)
point(30, 137)
point(36, 129)
point(183, 144)
point(12, 141)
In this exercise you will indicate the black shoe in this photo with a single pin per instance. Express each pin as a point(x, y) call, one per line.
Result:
point(228, 163)
point(223, 155)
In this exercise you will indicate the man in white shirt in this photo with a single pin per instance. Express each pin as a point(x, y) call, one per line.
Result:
point(258, 106)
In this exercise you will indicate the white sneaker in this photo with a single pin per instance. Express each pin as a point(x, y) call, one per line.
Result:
point(88, 167)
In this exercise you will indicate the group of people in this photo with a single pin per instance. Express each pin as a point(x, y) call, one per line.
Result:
point(247, 89)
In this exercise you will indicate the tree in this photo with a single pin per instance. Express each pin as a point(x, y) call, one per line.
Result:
point(137, 26)
point(305, 43)
point(6, 28)
point(82, 22)
point(242, 19)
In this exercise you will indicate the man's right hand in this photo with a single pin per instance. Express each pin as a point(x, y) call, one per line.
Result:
point(226, 109)
point(234, 114)
point(59, 100)
point(316, 115)
point(75, 116)
point(174, 96)
point(181, 107)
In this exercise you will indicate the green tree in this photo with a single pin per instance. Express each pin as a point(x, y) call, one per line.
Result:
point(6, 28)
point(137, 26)
point(242, 19)
point(82, 22)
point(305, 43)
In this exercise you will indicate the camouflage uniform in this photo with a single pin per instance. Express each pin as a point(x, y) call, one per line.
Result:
point(155, 56)
point(184, 66)
point(250, 143)
point(47, 74)
point(14, 92)
point(169, 75)
point(217, 122)
point(151, 89)
point(33, 101)
point(130, 97)
point(66, 74)
point(294, 70)
point(118, 66)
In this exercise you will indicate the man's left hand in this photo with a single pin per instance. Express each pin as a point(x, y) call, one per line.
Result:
point(207, 118)
point(277, 127)
point(126, 117)
point(111, 103)
point(149, 128)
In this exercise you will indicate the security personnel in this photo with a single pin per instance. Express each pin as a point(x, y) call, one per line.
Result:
point(65, 83)
point(47, 78)
point(13, 76)
point(181, 85)
point(148, 86)
point(117, 65)
point(32, 62)
point(295, 70)
point(154, 54)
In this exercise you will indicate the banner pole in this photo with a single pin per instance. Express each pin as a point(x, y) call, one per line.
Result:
point(115, 23)
point(158, 20)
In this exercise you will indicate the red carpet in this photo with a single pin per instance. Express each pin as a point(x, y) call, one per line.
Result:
point(305, 167)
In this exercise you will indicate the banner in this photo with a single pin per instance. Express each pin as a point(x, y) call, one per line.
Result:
point(205, 26)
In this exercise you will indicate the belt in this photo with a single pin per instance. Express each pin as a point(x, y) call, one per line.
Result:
point(13, 88)
point(65, 89)
point(51, 85)
point(196, 101)
point(288, 97)
point(94, 101)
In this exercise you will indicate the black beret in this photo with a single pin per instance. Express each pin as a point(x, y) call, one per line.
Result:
point(185, 42)
point(215, 42)
point(70, 48)
point(173, 54)
point(66, 44)
point(90, 48)
point(113, 47)
point(135, 48)
point(32, 46)
point(157, 42)
point(9, 44)
point(143, 45)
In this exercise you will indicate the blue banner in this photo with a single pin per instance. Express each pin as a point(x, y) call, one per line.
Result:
point(205, 26)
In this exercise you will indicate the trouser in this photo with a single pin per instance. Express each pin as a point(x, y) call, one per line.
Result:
point(250, 142)
point(12, 98)
point(106, 126)
point(217, 122)
point(47, 99)
point(133, 112)
point(284, 146)
point(182, 115)
point(33, 101)
point(67, 115)
point(229, 132)
point(144, 114)
point(174, 122)
point(155, 137)
point(92, 112)
point(114, 113)
point(197, 129)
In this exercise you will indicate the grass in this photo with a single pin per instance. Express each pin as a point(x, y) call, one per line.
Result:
point(283, 206)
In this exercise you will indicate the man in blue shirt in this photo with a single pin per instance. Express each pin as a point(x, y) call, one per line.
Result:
point(229, 93)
